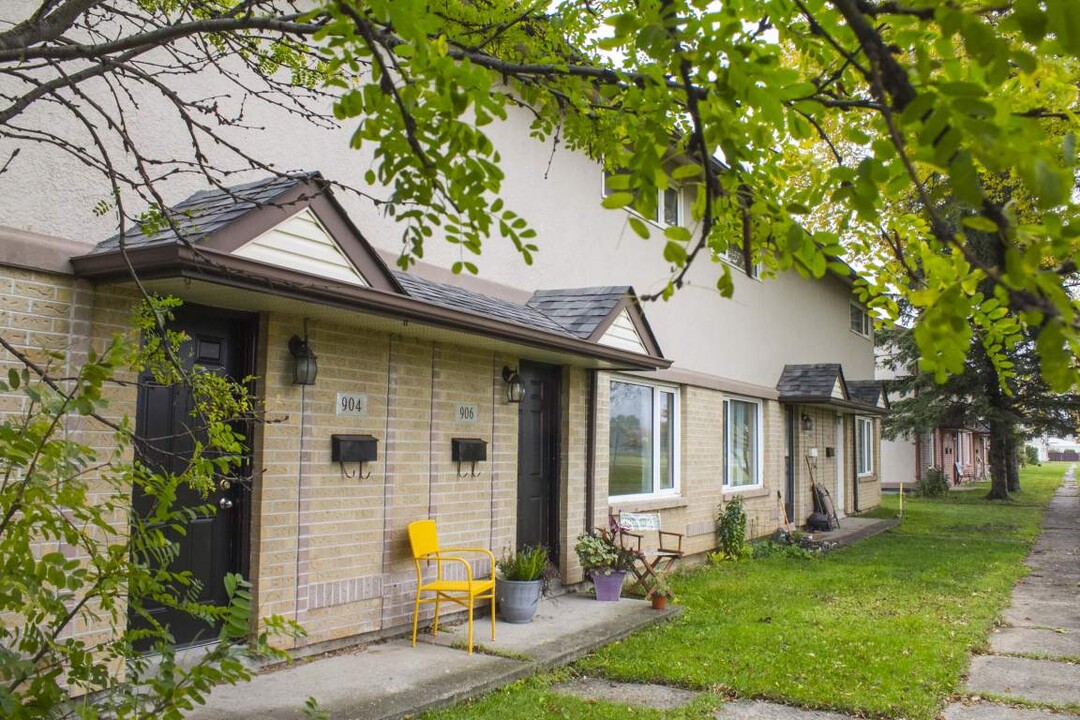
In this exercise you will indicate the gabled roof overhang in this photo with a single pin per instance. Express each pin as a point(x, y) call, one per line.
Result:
point(815, 385)
point(204, 263)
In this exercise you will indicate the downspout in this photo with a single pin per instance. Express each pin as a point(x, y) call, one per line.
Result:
point(590, 451)
point(854, 450)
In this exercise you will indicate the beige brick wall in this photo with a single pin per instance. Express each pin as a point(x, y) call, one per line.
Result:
point(43, 313)
point(331, 551)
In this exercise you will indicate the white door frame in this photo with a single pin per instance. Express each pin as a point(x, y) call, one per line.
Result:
point(840, 465)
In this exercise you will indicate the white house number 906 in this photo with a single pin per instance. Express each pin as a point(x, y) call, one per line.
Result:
point(351, 404)
point(466, 413)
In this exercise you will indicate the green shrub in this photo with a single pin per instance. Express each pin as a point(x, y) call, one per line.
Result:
point(116, 559)
point(731, 529)
point(1030, 456)
point(599, 553)
point(933, 483)
point(528, 563)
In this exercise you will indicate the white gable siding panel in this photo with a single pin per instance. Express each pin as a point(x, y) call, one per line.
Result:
point(302, 243)
point(838, 390)
point(623, 335)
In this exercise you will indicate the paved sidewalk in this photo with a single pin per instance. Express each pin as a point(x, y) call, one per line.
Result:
point(1035, 655)
point(391, 680)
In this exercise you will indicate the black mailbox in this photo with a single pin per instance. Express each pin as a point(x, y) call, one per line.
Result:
point(830, 452)
point(468, 450)
point(353, 448)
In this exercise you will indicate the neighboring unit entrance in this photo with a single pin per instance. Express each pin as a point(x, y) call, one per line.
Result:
point(215, 544)
point(538, 452)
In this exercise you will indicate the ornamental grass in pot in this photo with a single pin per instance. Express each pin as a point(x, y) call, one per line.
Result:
point(521, 579)
point(605, 562)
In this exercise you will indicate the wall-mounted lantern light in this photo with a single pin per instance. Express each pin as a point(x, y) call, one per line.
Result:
point(305, 367)
point(807, 422)
point(515, 386)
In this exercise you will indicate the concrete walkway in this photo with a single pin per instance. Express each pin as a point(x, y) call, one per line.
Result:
point(392, 680)
point(1035, 657)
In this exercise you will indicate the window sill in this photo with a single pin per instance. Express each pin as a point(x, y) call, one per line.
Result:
point(867, 477)
point(615, 505)
point(753, 491)
point(864, 337)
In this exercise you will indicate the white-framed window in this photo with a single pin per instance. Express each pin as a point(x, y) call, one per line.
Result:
point(668, 209)
point(864, 445)
point(643, 439)
point(734, 256)
point(860, 321)
point(742, 443)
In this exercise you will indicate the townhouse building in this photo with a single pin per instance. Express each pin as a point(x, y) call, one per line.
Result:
point(667, 407)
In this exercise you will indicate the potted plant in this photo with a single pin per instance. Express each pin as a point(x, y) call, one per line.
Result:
point(661, 594)
point(605, 562)
point(521, 578)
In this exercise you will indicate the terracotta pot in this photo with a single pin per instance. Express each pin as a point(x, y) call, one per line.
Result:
point(659, 602)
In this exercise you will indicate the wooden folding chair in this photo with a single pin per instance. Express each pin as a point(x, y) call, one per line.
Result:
point(649, 565)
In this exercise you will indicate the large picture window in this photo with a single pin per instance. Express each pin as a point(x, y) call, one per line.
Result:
point(864, 445)
point(742, 443)
point(643, 440)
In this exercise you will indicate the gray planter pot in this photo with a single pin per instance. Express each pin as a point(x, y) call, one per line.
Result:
point(517, 599)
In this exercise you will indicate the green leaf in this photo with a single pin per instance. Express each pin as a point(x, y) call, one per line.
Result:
point(964, 179)
point(682, 172)
point(1031, 18)
point(677, 233)
point(639, 227)
point(618, 200)
point(675, 253)
point(980, 223)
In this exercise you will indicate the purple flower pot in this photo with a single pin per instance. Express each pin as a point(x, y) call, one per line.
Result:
point(609, 586)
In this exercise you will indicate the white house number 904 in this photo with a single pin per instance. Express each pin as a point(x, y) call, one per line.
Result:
point(466, 413)
point(351, 404)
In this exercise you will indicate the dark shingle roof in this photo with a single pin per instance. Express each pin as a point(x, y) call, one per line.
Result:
point(809, 381)
point(456, 298)
point(579, 310)
point(867, 392)
point(209, 210)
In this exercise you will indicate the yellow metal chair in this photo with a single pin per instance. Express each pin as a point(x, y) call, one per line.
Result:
point(424, 540)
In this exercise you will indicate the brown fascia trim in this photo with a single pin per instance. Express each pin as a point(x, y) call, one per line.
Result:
point(845, 404)
point(175, 260)
point(34, 251)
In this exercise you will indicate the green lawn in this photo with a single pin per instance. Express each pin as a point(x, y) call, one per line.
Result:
point(882, 628)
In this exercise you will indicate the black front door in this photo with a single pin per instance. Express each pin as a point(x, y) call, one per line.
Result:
point(214, 543)
point(538, 452)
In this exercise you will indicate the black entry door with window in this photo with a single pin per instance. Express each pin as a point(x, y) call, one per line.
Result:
point(214, 544)
point(538, 453)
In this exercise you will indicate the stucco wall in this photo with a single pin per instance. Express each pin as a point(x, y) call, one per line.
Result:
point(748, 338)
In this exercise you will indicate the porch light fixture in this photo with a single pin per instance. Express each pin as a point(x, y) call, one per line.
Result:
point(807, 422)
point(305, 367)
point(515, 386)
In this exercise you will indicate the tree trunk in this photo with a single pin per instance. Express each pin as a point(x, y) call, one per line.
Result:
point(999, 460)
point(1013, 469)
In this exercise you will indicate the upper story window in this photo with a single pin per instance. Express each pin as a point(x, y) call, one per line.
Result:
point(643, 440)
point(735, 256)
point(742, 443)
point(668, 208)
point(860, 321)
point(864, 445)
